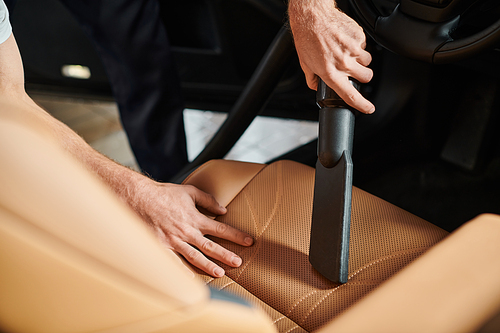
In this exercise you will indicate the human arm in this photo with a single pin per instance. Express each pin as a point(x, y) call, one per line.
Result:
point(331, 46)
point(170, 210)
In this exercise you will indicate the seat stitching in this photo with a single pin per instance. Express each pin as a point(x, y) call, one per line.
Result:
point(277, 200)
point(359, 282)
point(275, 207)
point(387, 258)
point(293, 328)
point(251, 212)
point(300, 300)
point(209, 281)
point(256, 249)
point(269, 220)
point(314, 307)
point(280, 318)
point(359, 270)
point(332, 291)
point(227, 285)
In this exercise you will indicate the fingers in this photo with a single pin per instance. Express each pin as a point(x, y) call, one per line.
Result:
point(197, 259)
point(224, 231)
point(338, 80)
point(210, 249)
point(217, 252)
point(337, 76)
point(361, 73)
point(207, 201)
point(181, 227)
point(351, 95)
point(364, 58)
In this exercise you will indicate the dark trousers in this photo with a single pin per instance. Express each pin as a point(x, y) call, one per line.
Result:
point(133, 45)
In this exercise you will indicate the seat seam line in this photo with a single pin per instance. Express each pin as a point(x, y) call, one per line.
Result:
point(360, 283)
point(387, 258)
point(227, 285)
point(249, 181)
point(293, 328)
point(361, 269)
point(301, 300)
point(269, 219)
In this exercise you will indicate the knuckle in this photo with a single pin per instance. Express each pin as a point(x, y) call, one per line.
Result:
point(221, 228)
point(186, 231)
point(368, 58)
point(350, 97)
point(343, 62)
point(193, 255)
point(190, 188)
point(366, 75)
point(330, 74)
point(360, 35)
point(227, 256)
point(358, 32)
point(208, 245)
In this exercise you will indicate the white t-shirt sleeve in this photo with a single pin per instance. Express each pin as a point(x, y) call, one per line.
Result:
point(5, 27)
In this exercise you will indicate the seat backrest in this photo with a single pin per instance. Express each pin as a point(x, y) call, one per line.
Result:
point(454, 287)
point(73, 257)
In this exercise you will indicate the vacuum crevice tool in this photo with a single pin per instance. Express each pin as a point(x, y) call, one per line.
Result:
point(331, 217)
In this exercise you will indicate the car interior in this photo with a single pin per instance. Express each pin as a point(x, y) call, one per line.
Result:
point(424, 253)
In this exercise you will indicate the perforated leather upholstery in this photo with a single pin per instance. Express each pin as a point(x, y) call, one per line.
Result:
point(275, 208)
point(454, 287)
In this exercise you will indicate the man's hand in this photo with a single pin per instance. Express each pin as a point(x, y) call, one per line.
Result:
point(172, 212)
point(331, 46)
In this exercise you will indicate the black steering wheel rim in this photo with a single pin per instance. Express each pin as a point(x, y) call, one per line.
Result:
point(428, 38)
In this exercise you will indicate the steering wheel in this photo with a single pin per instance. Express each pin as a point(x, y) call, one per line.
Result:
point(423, 29)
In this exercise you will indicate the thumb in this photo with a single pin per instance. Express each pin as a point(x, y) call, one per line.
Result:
point(311, 78)
point(208, 202)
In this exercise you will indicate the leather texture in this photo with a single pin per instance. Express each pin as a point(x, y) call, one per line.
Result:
point(73, 258)
point(454, 287)
point(275, 208)
point(235, 176)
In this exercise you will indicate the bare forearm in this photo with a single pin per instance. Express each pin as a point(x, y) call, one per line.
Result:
point(126, 183)
point(123, 181)
point(304, 13)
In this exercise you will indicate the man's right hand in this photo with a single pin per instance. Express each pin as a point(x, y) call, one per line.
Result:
point(331, 45)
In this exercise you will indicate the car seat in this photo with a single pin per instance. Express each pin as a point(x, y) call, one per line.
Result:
point(74, 258)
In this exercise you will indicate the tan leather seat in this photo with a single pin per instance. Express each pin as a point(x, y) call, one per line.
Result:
point(274, 204)
point(73, 258)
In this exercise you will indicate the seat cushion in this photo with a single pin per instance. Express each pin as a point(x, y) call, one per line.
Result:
point(275, 207)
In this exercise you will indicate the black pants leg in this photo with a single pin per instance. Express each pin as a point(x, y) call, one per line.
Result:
point(132, 42)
